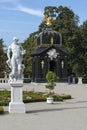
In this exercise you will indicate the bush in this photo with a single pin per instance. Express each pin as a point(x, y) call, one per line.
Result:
point(1, 110)
point(5, 97)
point(51, 79)
point(30, 96)
point(50, 85)
point(57, 98)
point(66, 96)
point(51, 76)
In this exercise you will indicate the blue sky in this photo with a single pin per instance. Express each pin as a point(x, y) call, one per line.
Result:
point(21, 17)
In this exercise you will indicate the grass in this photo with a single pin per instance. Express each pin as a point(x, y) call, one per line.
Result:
point(31, 96)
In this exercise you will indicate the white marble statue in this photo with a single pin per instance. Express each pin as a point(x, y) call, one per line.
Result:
point(15, 56)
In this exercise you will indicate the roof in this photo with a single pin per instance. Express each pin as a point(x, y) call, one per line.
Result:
point(49, 37)
point(43, 49)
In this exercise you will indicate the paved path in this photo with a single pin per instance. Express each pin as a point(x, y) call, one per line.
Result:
point(67, 115)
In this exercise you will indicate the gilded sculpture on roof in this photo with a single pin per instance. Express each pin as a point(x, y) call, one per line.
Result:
point(48, 20)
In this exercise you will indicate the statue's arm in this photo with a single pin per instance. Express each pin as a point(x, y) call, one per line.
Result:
point(9, 58)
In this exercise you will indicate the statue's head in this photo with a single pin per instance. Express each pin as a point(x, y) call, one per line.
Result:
point(15, 39)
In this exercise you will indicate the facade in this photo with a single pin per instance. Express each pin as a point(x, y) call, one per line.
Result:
point(50, 55)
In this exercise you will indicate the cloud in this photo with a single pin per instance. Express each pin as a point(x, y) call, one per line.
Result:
point(29, 10)
point(16, 6)
point(25, 10)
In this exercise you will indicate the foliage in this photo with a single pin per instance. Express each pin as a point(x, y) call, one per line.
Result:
point(74, 39)
point(51, 79)
point(1, 110)
point(2, 60)
point(51, 76)
point(5, 97)
point(30, 96)
point(79, 54)
point(83, 49)
point(28, 45)
point(66, 22)
point(66, 96)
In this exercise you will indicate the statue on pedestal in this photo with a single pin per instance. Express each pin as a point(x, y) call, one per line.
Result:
point(15, 56)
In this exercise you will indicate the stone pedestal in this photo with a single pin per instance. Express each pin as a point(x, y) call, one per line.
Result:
point(16, 105)
point(79, 80)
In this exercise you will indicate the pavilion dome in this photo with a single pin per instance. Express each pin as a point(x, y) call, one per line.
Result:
point(49, 37)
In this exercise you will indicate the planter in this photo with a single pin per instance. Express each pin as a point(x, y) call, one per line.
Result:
point(79, 80)
point(50, 100)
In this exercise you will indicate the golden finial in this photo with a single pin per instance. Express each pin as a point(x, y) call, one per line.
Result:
point(48, 20)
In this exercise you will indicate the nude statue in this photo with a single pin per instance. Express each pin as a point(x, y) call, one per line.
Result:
point(15, 56)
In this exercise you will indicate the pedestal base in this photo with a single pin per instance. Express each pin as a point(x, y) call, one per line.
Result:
point(16, 107)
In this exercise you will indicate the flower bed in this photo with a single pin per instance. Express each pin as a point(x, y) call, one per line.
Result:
point(31, 96)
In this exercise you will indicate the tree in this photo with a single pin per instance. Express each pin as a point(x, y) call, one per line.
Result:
point(2, 59)
point(82, 51)
point(29, 45)
point(49, 11)
point(74, 37)
point(65, 22)
point(51, 79)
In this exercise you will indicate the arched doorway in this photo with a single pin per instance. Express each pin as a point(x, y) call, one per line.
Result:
point(52, 65)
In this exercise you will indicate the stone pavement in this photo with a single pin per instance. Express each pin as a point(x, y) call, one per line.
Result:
point(68, 115)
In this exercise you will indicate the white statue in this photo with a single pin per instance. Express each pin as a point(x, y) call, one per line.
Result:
point(15, 56)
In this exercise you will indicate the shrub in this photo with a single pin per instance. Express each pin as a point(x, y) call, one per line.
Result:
point(51, 76)
point(57, 98)
point(66, 96)
point(1, 110)
point(30, 96)
point(51, 79)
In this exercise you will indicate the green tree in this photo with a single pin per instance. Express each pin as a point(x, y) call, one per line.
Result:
point(74, 38)
point(29, 45)
point(65, 22)
point(2, 59)
point(82, 51)
point(49, 11)
point(51, 79)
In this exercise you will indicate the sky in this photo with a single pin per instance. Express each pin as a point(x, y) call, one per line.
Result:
point(19, 18)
